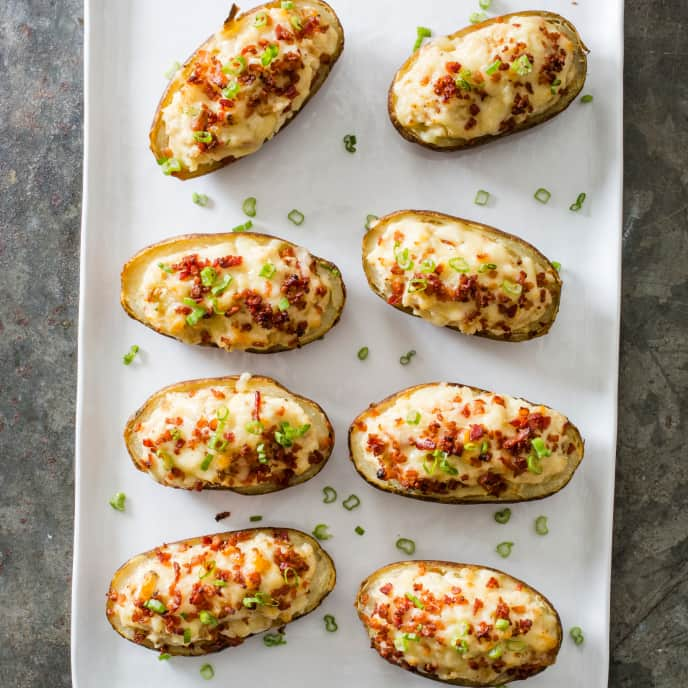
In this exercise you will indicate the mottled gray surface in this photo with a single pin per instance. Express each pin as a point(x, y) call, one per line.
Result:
point(40, 182)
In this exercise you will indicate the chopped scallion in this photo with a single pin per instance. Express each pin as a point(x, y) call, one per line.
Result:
point(208, 276)
point(477, 17)
point(219, 288)
point(202, 136)
point(496, 652)
point(320, 532)
point(577, 634)
point(522, 66)
point(459, 264)
point(206, 618)
point(262, 454)
point(235, 66)
point(131, 354)
point(542, 195)
point(169, 166)
point(503, 516)
point(370, 220)
point(416, 602)
point(283, 303)
point(174, 68)
point(207, 672)
point(199, 199)
point(413, 418)
point(540, 447)
point(117, 501)
point(556, 265)
point(254, 427)
point(269, 54)
point(580, 199)
point(163, 656)
point(350, 143)
point(249, 206)
point(231, 90)
point(260, 20)
point(155, 605)
point(256, 518)
point(482, 197)
point(268, 270)
point(359, 530)
point(243, 228)
point(274, 639)
point(534, 464)
point(421, 33)
point(207, 460)
point(587, 99)
point(428, 266)
point(417, 284)
point(406, 545)
point(502, 624)
point(494, 67)
point(504, 549)
point(512, 288)
point(541, 525)
point(330, 623)
point(296, 216)
point(405, 359)
point(351, 502)
point(330, 494)
point(487, 267)
point(363, 353)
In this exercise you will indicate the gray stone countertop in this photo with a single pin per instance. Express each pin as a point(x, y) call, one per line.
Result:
point(40, 185)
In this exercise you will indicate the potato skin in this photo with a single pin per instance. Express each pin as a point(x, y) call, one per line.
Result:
point(374, 578)
point(158, 137)
point(511, 240)
point(265, 385)
point(449, 499)
point(564, 25)
point(189, 242)
point(324, 586)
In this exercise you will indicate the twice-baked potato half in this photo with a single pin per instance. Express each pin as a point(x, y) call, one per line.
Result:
point(446, 442)
point(202, 595)
point(246, 291)
point(488, 80)
point(244, 84)
point(461, 274)
point(461, 624)
point(242, 433)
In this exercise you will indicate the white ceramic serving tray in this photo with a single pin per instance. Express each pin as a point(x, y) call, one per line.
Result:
point(129, 204)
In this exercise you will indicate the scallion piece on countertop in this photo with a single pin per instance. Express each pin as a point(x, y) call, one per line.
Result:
point(482, 197)
point(243, 228)
point(359, 530)
point(155, 605)
point(350, 143)
point(199, 199)
point(255, 518)
point(503, 516)
point(556, 265)
point(406, 545)
point(330, 623)
point(587, 99)
point(484, 4)
point(274, 639)
point(131, 354)
point(421, 33)
point(363, 353)
point(330, 494)
point(174, 68)
point(542, 195)
point(351, 502)
point(504, 549)
point(207, 672)
point(370, 219)
point(296, 216)
point(117, 501)
point(578, 204)
point(477, 17)
point(320, 532)
point(164, 656)
point(405, 359)
point(541, 525)
point(249, 206)
point(577, 634)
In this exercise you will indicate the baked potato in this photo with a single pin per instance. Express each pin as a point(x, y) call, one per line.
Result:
point(244, 84)
point(246, 291)
point(461, 274)
point(446, 442)
point(488, 80)
point(242, 433)
point(461, 624)
point(202, 595)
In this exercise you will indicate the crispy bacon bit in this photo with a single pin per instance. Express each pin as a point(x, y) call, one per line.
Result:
point(220, 516)
point(492, 583)
point(446, 88)
point(477, 605)
point(386, 589)
point(376, 445)
point(492, 483)
point(453, 67)
point(483, 630)
point(477, 431)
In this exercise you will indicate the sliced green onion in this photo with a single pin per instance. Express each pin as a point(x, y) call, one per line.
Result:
point(416, 602)
point(359, 530)
point(580, 199)
point(131, 354)
point(404, 261)
point(170, 166)
point(256, 518)
point(262, 454)
point(487, 267)
point(351, 502)
point(206, 618)
point(428, 266)
point(295, 21)
point(155, 606)
point(206, 570)
point(187, 636)
point(197, 312)
point(274, 639)
point(199, 199)
point(504, 549)
point(207, 672)
point(417, 284)
point(484, 4)
point(421, 33)
point(462, 81)
point(219, 583)
point(428, 467)
point(268, 270)
point(287, 5)
point(363, 353)
point(461, 646)
point(406, 545)
point(330, 494)
point(502, 624)
point(207, 460)
point(165, 268)
point(254, 427)
point(269, 54)
point(219, 288)
point(459, 264)
point(515, 645)
point(291, 577)
point(542, 195)
point(556, 265)
point(541, 525)
point(370, 219)
point(231, 90)
point(445, 466)
point(522, 66)
point(208, 276)
point(512, 288)
point(166, 459)
point(260, 20)
point(296, 216)
point(401, 641)
point(330, 623)
point(463, 628)
point(164, 656)
point(540, 448)
point(283, 303)
point(174, 68)
point(503, 516)
point(350, 143)
point(176, 434)
point(554, 88)
point(243, 228)
point(202, 136)
point(493, 67)
point(320, 532)
point(222, 413)
point(482, 197)
point(249, 206)
point(286, 435)
point(534, 464)
point(117, 501)
point(259, 599)
point(496, 652)
point(477, 17)
point(587, 99)
point(235, 66)
point(577, 634)
point(405, 359)
point(413, 418)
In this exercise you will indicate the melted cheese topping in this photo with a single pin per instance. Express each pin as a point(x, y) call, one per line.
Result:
point(186, 443)
point(449, 440)
point(202, 589)
point(444, 622)
point(278, 308)
point(454, 273)
point(267, 95)
point(486, 82)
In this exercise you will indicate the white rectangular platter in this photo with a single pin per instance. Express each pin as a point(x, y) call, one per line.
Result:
point(129, 204)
